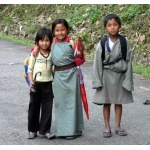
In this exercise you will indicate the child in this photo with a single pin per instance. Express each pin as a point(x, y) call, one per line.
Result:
point(41, 94)
point(67, 98)
point(113, 81)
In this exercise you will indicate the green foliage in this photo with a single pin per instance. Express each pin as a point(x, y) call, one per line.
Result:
point(141, 69)
point(17, 40)
point(85, 37)
point(133, 11)
point(87, 18)
point(93, 13)
point(90, 57)
point(8, 20)
point(32, 29)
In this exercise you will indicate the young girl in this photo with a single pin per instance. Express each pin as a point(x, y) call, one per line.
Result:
point(68, 105)
point(67, 98)
point(113, 81)
point(41, 94)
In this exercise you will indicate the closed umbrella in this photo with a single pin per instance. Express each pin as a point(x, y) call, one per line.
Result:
point(80, 75)
point(83, 92)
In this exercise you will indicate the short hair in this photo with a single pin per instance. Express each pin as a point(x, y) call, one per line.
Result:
point(112, 16)
point(60, 21)
point(42, 32)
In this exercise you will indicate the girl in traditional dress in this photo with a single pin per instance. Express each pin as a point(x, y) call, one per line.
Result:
point(113, 80)
point(67, 97)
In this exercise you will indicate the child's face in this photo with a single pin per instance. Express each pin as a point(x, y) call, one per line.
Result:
point(60, 32)
point(44, 43)
point(112, 27)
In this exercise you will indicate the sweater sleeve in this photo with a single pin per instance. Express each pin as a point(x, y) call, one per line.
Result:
point(128, 80)
point(31, 63)
point(97, 70)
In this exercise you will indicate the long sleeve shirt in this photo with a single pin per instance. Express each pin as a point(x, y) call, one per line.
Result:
point(41, 64)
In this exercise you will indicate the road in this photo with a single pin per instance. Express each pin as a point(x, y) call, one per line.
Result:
point(14, 99)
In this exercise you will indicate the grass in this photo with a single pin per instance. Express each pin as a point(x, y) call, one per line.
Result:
point(19, 40)
point(139, 69)
point(142, 70)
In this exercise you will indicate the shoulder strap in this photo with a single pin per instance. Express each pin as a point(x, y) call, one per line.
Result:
point(123, 43)
point(103, 41)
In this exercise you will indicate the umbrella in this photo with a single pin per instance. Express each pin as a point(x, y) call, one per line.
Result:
point(80, 75)
point(34, 88)
point(83, 92)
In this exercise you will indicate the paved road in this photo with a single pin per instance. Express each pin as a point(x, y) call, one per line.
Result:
point(14, 99)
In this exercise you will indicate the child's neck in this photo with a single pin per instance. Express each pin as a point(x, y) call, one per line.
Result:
point(44, 52)
point(67, 39)
point(113, 37)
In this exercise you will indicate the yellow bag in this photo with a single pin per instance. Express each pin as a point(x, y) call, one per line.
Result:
point(26, 64)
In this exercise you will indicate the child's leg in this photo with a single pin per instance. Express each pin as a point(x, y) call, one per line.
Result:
point(106, 114)
point(46, 110)
point(33, 112)
point(118, 115)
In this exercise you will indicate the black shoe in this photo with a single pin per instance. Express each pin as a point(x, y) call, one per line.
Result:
point(50, 136)
point(71, 137)
point(147, 102)
point(79, 133)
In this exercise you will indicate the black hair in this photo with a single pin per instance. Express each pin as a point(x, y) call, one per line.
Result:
point(42, 33)
point(60, 21)
point(112, 16)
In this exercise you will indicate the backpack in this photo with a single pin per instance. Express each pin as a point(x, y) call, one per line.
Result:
point(26, 64)
point(123, 47)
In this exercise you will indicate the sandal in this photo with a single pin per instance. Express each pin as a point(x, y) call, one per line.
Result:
point(147, 102)
point(50, 136)
point(121, 132)
point(107, 134)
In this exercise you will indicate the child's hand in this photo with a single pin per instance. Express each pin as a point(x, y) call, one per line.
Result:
point(79, 60)
point(32, 84)
point(80, 46)
point(35, 50)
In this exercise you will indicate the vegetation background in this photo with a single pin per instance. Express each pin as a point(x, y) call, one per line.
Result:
point(20, 22)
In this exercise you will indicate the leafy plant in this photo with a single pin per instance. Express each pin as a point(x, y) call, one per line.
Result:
point(7, 20)
point(141, 69)
point(17, 40)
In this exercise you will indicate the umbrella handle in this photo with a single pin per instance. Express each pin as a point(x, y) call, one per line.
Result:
point(34, 88)
point(37, 74)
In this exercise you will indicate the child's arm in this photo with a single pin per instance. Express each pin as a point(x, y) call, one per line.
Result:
point(30, 70)
point(97, 69)
point(128, 80)
point(30, 75)
point(35, 50)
